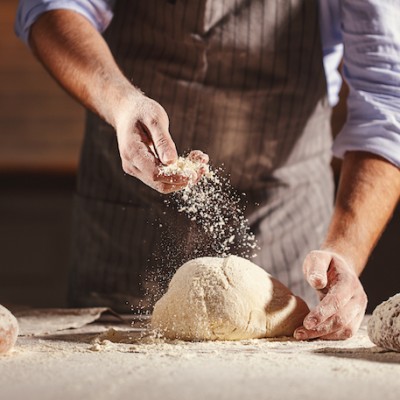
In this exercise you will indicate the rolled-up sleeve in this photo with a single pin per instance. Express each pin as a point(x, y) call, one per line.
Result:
point(371, 37)
point(98, 12)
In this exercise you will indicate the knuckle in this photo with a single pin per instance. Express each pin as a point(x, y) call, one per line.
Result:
point(157, 111)
point(339, 321)
point(347, 333)
point(154, 122)
point(335, 303)
point(125, 154)
point(161, 142)
point(129, 169)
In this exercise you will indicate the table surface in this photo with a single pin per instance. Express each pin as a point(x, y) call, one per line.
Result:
point(108, 360)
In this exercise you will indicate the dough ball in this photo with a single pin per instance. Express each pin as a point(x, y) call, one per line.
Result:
point(8, 330)
point(384, 325)
point(229, 298)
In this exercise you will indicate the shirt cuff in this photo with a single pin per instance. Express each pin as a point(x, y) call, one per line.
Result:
point(98, 13)
point(371, 36)
point(374, 137)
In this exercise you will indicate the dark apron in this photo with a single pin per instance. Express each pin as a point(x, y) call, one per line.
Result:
point(242, 81)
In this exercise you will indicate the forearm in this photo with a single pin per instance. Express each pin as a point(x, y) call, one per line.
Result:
point(368, 192)
point(77, 56)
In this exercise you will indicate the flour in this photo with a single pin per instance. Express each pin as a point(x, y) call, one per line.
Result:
point(189, 167)
point(384, 325)
point(206, 219)
point(65, 366)
point(215, 207)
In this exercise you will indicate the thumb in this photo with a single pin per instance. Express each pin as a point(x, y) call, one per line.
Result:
point(315, 268)
point(163, 143)
point(166, 150)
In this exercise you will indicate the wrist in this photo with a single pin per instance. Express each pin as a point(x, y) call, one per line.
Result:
point(348, 253)
point(113, 96)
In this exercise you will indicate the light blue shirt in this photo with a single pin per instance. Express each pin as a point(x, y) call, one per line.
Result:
point(366, 33)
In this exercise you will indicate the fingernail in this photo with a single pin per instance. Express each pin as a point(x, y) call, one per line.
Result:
point(310, 323)
point(167, 157)
point(317, 281)
point(300, 334)
point(166, 160)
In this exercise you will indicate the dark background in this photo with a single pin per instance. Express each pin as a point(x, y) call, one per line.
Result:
point(40, 133)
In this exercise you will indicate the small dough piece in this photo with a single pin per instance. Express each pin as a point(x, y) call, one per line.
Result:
point(8, 330)
point(230, 298)
point(384, 325)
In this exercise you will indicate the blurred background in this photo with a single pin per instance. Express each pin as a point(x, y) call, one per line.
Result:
point(41, 129)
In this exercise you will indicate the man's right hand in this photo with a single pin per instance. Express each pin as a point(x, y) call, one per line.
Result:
point(79, 58)
point(145, 143)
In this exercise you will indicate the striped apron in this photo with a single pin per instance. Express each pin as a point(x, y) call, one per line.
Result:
point(241, 80)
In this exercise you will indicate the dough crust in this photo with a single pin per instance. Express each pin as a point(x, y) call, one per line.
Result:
point(384, 325)
point(8, 330)
point(228, 298)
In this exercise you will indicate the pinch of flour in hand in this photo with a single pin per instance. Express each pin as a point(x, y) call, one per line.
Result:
point(190, 167)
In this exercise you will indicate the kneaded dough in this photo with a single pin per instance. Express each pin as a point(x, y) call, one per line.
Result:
point(384, 325)
point(8, 330)
point(228, 298)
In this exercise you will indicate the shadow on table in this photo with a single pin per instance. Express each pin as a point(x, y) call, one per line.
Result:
point(70, 337)
point(375, 354)
point(112, 335)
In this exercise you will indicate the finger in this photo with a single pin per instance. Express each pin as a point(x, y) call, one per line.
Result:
point(159, 186)
point(157, 128)
point(139, 160)
point(341, 334)
point(329, 305)
point(315, 268)
point(198, 156)
point(175, 179)
point(338, 322)
point(166, 188)
point(347, 332)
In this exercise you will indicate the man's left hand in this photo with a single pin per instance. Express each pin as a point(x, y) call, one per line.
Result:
point(342, 298)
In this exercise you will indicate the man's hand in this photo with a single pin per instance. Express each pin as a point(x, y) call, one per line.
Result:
point(79, 58)
point(343, 300)
point(368, 192)
point(145, 143)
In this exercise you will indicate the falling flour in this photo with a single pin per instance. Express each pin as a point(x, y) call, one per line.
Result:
point(206, 219)
point(213, 205)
